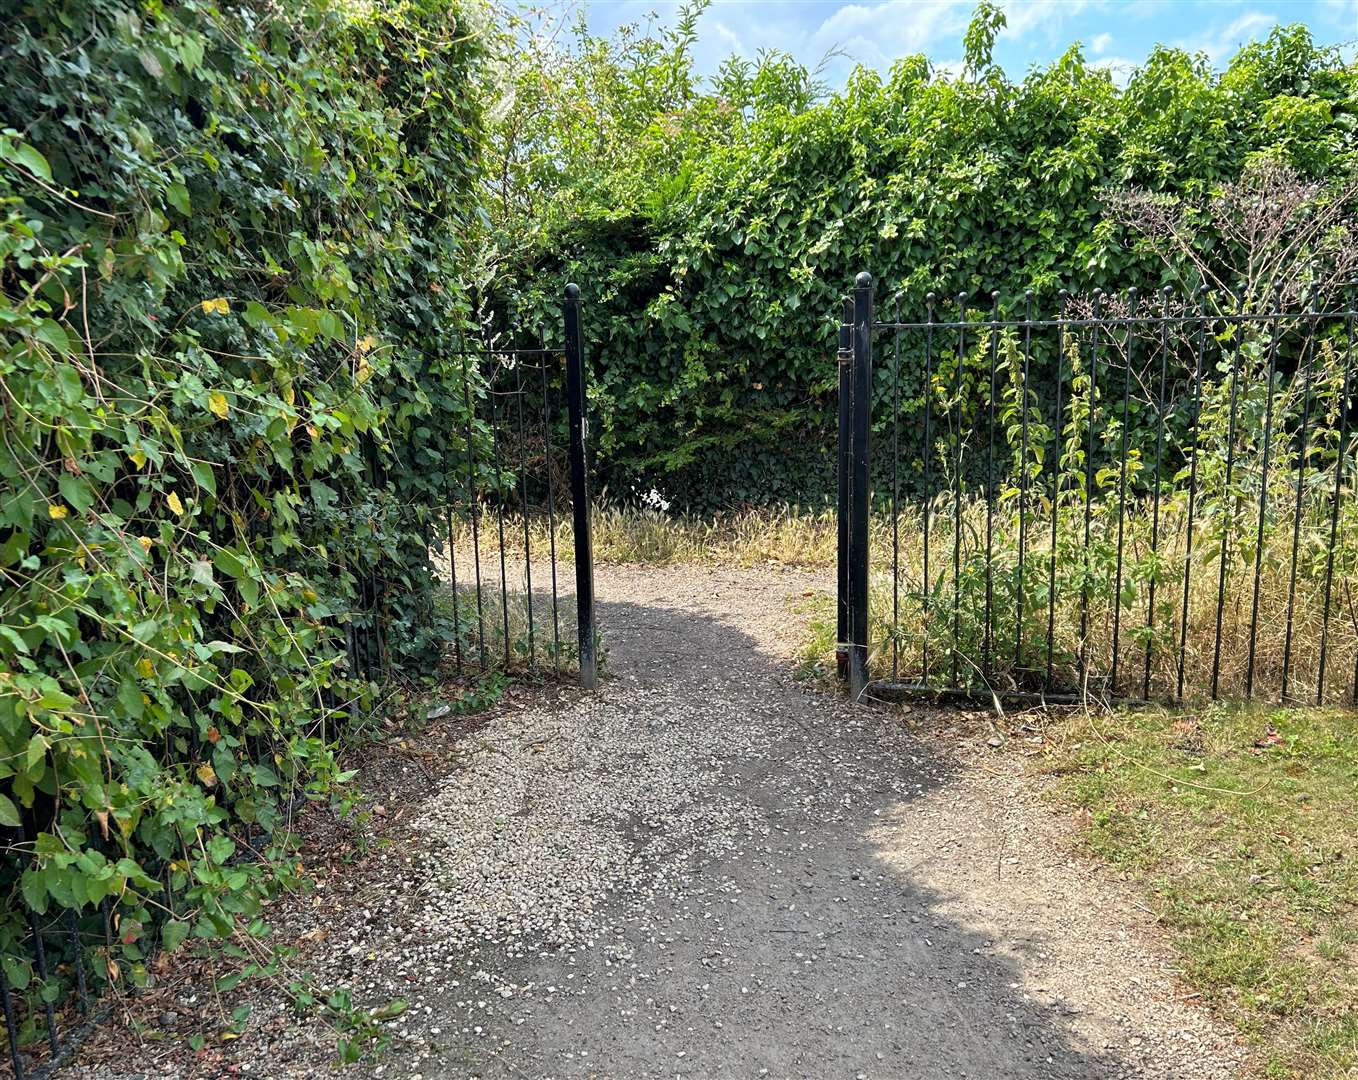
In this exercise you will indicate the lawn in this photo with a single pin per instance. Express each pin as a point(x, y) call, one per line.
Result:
point(1241, 826)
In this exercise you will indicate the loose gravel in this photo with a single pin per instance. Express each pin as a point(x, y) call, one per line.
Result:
point(709, 869)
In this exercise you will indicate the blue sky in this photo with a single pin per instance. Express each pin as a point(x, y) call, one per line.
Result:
point(1118, 33)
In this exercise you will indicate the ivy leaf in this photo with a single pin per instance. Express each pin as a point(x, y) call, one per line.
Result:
point(26, 156)
point(9, 813)
point(177, 195)
point(172, 935)
point(16, 971)
point(151, 62)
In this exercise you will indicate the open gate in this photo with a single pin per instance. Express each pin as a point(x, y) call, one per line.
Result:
point(1142, 496)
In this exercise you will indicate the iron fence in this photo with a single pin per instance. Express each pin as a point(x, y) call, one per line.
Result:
point(523, 446)
point(1132, 497)
point(498, 552)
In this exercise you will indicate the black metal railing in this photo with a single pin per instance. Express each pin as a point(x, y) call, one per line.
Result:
point(1146, 497)
point(505, 520)
point(504, 603)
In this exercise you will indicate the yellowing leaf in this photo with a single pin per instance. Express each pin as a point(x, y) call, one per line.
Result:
point(363, 370)
point(207, 775)
point(366, 344)
point(147, 542)
point(313, 431)
point(56, 511)
point(218, 305)
point(137, 458)
point(145, 667)
point(175, 504)
point(217, 405)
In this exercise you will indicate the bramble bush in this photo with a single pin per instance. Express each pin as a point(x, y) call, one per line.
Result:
point(715, 227)
point(233, 268)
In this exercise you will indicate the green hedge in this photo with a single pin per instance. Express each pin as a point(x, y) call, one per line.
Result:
point(714, 229)
point(232, 257)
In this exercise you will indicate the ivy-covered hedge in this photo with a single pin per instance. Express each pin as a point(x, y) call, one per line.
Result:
point(232, 258)
point(715, 227)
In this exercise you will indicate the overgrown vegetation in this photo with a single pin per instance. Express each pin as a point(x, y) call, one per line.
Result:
point(242, 250)
point(1241, 826)
point(715, 226)
point(233, 261)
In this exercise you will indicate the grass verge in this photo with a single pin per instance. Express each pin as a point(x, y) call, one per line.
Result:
point(1241, 824)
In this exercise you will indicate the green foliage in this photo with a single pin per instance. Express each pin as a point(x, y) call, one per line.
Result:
point(714, 228)
point(231, 253)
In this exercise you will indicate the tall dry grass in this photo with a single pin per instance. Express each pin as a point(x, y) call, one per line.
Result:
point(946, 620)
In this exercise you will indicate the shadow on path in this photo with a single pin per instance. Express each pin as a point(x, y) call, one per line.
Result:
point(805, 947)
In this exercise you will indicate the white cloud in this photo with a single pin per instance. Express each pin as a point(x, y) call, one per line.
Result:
point(878, 34)
point(1221, 43)
point(1119, 67)
point(1342, 14)
point(1048, 16)
point(1101, 44)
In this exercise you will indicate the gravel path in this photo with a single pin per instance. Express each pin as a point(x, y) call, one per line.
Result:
point(711, 870)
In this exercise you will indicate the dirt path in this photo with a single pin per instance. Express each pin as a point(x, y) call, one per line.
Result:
point(711, 870)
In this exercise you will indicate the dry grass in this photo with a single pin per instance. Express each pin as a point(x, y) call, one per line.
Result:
point(1084, 579)
point(506, 627)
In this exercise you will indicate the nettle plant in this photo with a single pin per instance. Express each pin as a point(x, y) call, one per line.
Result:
point(231, 248)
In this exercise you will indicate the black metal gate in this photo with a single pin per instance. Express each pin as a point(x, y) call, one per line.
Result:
point(1141, 496)
point(502, 520)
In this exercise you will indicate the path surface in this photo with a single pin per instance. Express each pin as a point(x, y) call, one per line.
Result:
point(712, 870)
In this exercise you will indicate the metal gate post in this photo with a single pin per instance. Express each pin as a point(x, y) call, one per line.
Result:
point(861, 378)
point(584, 551)
point(842, 515)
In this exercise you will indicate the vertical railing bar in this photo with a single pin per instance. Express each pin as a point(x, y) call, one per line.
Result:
point(40, 954)
point(452, 566)
point(928, 481)
point(578, 406)
point(1199, 359)
point(551, 503)
point(474, 506)
point(987, 659)
point(1263, 505)
point(896, 496)
point(860, 482)
point(1301, 489)
point(1023, 478)
point(1132, 298)
point(844, 361)
point(500, 509)
point(1165, 294)
point(1229, 510)
point(523, 509)
point(1062, 300)
point(1087, 574)
point(957, 493)
point(1334, 505)
point(11, 1027)
point(78, 957)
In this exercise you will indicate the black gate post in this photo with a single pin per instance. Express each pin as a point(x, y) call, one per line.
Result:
point(859, 501)
point(584, 551)
point(842, 515)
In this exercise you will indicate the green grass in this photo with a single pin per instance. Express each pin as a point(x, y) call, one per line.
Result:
point(1241, 824)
